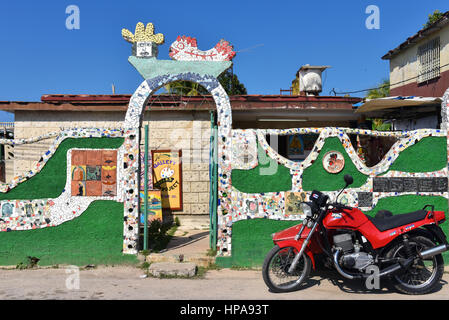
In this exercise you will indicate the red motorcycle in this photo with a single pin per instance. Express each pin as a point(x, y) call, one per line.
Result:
point(404, 247)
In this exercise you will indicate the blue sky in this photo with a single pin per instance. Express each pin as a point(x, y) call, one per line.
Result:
point(40, 55)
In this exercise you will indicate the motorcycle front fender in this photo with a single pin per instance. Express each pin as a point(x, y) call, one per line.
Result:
point(297, 245)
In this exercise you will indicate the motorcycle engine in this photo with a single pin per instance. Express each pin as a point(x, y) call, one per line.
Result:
point(352, 257)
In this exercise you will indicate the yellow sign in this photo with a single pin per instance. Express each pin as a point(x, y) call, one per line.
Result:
point(167, 177)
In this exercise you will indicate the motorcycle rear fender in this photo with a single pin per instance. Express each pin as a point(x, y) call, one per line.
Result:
point(297, 245)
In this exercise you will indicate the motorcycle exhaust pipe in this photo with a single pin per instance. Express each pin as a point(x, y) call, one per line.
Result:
point(433, 251)
point(340, 270)
point(396, 267)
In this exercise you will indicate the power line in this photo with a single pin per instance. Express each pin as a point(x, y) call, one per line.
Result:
point(391, 84)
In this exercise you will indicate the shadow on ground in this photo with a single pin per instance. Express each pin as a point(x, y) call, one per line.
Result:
point(386, 285)
point(323, 275)
point(179, 241)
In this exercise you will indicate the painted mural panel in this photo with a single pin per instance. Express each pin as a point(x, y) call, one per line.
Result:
point(154, 206)
point(94, 173)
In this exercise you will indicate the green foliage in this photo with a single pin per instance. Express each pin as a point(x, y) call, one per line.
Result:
point(95, 237)
point(316, 177)
point(268, 176)
point(380, 125)
point(160, 234)
point(227, 79)
point(230, 82)
point(381, 92)
point(51, 180)
point(432, 18)
point(186, 88)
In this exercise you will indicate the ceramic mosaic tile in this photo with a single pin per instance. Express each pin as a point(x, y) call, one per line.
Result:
point(244, 149)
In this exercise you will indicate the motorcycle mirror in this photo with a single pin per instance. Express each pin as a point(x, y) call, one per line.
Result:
point(348, 179)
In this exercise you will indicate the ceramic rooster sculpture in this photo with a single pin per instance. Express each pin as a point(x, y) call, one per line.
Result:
point(186, 49)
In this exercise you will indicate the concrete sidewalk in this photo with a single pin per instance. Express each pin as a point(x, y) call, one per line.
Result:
point(121, 282)
point(187, 245)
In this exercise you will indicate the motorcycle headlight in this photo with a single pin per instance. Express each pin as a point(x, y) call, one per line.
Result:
point(306, 209)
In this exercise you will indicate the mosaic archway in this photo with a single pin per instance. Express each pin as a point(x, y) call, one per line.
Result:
point(133, 123)
point(190, 64)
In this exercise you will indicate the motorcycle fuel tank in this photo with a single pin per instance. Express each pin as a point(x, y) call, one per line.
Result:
point(344, 219)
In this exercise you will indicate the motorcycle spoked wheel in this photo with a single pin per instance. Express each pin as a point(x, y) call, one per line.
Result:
point(424, 275)
point(275, 269)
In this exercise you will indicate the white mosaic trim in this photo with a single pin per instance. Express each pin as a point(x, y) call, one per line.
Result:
point(244, 149)
point(406, 139)
point(69, 133)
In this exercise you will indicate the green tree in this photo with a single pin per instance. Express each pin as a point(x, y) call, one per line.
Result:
point(230, 82)
point(435, 16)
point(382, 91)
point(186, 88)
point(227, 79)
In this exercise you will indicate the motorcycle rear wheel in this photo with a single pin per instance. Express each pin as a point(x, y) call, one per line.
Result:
point(275, 269)
point(424, 275)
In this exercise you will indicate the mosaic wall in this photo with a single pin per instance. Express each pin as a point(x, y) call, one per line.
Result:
point(380, 183)
point(94, 170)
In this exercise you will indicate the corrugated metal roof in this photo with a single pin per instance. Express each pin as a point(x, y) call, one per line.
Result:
point(397, 102)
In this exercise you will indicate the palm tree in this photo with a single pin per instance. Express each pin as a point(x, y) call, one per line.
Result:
point(380, 92)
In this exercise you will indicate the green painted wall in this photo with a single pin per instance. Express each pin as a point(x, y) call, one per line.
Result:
point(254, 181)
point(429, 154)
point(251, 241)
point(50, 181)
point(96, 237)
point(316, 178)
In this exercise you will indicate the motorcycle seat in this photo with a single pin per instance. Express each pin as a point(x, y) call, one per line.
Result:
point(381, 214)
point(390, 222)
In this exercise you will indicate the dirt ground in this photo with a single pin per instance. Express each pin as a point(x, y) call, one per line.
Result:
point(126, 283)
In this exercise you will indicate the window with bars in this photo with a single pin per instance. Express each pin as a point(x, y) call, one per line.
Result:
point(429, 60)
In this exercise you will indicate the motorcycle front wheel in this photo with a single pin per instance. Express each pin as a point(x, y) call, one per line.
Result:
point(275, 269)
